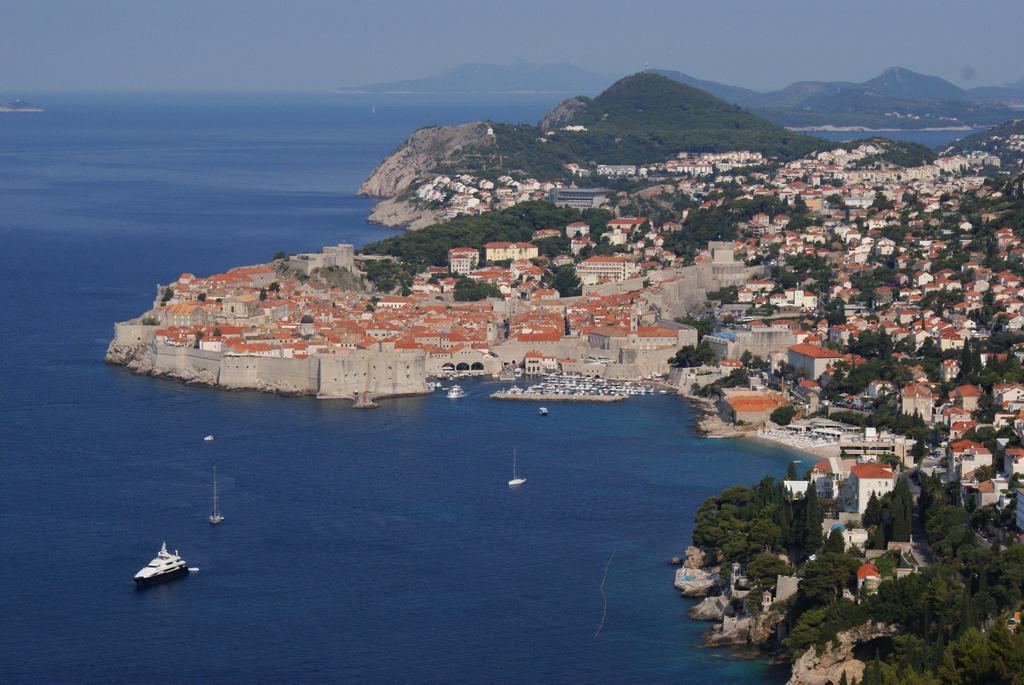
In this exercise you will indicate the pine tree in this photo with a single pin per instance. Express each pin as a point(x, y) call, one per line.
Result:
point(976, 357)
point(901, 523)
point(835, 542)
point(873, 672)
point(877, 539)
point(901, 512)
point(812, 520)
point(1005, 649)
point(873, 512)
point(965, 359)
point(968, 614)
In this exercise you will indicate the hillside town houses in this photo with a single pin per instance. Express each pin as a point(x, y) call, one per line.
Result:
point(838, 298)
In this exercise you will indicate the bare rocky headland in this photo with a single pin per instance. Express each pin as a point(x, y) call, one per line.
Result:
point(391, 182)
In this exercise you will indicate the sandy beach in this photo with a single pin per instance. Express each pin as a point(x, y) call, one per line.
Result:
point(823, 451)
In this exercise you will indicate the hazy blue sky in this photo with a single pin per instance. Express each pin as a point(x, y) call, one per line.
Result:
point(319, 44)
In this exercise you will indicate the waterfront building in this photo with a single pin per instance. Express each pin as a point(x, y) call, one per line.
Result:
point(752, 407)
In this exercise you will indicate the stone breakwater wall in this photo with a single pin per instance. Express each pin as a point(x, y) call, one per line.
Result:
point(373, 374)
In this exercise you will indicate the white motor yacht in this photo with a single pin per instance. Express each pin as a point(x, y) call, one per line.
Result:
point(164, 567)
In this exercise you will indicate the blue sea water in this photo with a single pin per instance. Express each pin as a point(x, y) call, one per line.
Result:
point(933, 139)
point(358, 546)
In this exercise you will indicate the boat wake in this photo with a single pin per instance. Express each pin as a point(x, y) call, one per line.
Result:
point(604, 595)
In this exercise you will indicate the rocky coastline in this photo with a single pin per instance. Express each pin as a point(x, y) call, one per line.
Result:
point(836, 659)
point(138, 359)
point(699, 577)
point(708, 423)
point(397, 213)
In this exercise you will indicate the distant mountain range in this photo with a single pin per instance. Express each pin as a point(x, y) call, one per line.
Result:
point(518, 77)
point(897, 98)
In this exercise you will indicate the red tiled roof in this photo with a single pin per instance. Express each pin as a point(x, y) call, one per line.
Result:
point(871, 470)
point(868, 570)
point(814, 351)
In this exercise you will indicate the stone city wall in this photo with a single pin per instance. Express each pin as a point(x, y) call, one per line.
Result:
point(353, 374)
point(375, 373)
point(133, 333)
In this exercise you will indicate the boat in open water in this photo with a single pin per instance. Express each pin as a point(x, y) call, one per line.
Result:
point(164, 567)
point(215, 517)
point(516, 480)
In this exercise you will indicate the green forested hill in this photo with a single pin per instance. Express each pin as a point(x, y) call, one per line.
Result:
point(641, 118)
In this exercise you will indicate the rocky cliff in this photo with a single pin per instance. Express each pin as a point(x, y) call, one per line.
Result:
point(698, 576)
point(400, 213)
point(425, 150)
point(837, 658)
point(563, 113)
point(744, 631)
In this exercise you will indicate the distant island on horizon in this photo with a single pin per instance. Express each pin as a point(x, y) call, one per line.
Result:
point(19, 106)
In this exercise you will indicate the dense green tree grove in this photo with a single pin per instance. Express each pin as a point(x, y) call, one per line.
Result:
point(952, 613)
point(468, 290)
point(429, 246)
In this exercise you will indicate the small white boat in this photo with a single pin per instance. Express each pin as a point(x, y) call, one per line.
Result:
point(215, 517)
point(455, 392)
point(208, 438)
point(516, 480)
point(543, 411)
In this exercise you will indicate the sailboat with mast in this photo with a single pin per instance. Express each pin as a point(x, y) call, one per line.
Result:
point(215, 517)
point(516, 480)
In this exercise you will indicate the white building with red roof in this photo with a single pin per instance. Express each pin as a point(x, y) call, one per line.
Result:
point(869, 478)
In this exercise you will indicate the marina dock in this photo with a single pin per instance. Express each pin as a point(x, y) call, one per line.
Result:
point(545, 397)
